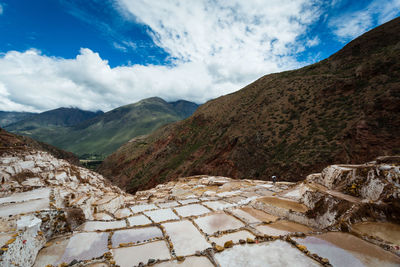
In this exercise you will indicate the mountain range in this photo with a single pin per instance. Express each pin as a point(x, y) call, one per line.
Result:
point(10, 117)
point(97, 134)
point(345, 108)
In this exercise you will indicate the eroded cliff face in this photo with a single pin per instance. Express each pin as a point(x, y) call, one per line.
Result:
point(54, 213)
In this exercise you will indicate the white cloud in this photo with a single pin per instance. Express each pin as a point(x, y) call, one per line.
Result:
point(216, 47)
point(351, 25)
point(34, 82)
point(313, 42)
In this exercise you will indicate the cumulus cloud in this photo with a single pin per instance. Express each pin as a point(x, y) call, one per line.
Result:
point(31, 81)
point(351, 25)
point(215, 47)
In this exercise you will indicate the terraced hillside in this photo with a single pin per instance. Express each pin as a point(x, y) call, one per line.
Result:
point(53, 213)
point(345, 108)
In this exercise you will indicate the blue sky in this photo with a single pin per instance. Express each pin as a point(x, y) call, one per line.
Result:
point(61, 28)
point(100, 54)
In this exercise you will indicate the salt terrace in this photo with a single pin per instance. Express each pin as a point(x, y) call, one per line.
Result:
point(72, 216)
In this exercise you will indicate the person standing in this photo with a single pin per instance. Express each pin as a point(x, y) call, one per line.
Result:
point(274, 179)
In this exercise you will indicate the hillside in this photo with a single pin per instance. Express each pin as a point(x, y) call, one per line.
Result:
point(52, 124)
point(9, 117)
point(10, 142)
point(343, 109)
point(102, 134)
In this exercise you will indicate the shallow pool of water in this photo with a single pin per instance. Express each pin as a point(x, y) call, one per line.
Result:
point(387, 231)
point(282, 227)
point(218, 222)
point(343, 249)
point(135, 235)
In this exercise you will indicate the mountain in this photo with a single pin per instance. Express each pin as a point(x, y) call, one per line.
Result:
point(345, 108)
point(9, 117)
point(9, 142)
point(104, 133)
point(51, 125)
point(55, 117)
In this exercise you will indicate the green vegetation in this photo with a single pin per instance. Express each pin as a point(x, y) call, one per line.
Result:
point(99, 136)
point(7, 118)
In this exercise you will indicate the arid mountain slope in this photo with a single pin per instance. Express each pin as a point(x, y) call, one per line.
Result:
point(343, 109)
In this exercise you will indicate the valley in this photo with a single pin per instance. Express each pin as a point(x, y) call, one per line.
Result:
point(297, 168)
point(95, 135)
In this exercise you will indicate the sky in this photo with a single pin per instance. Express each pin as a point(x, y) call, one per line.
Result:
point(102, 54)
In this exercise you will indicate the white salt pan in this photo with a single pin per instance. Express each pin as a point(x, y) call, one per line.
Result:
point(138, 220)
point(85, 246)
point(192, 210)
point(135, 235)
point(168, 204)
point(101, 226)
point(161, 215)
point(216, 205)
point(25, 196)
point(139, 208)
point(24, 207)
point(188, 201)
point(192, 261)
point(245, 216)
point(122, 213)
point(277, 253)
point(229, 193)
point(132, 256)
point(185, 237)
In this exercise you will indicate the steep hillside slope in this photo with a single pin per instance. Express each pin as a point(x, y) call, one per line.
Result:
point(102, 134)
point(9, 117)
point(10, 142)
point(343, 109)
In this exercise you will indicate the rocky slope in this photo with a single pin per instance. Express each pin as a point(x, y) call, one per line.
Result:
point(9, 141)
point(101, 134)
point(343, 109)
point(53, 213)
